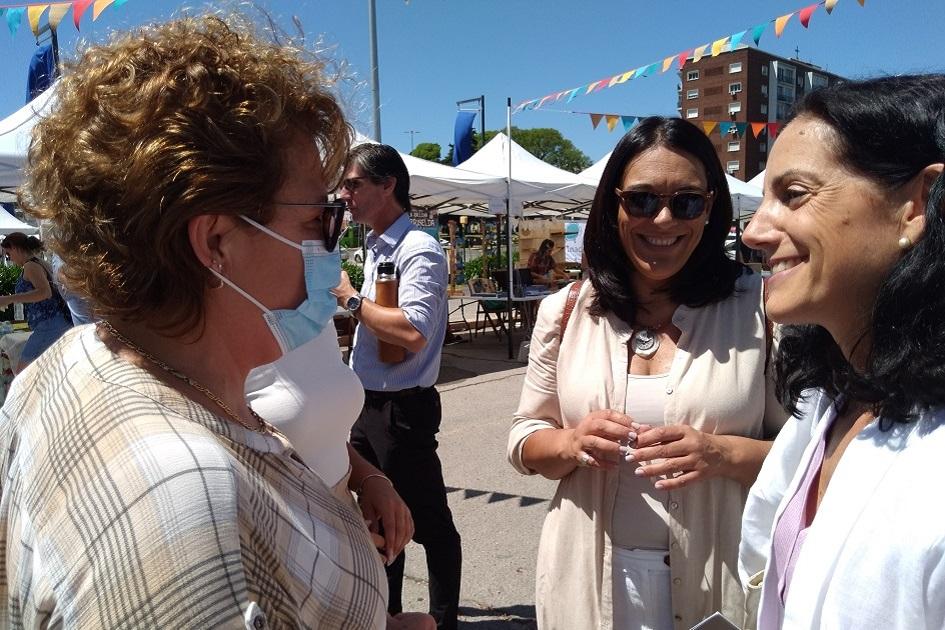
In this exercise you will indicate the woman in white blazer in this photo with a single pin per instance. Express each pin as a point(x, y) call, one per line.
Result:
point(844, 527)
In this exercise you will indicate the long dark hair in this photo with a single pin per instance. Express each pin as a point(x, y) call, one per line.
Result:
point(709, 275)
point(28, 244)
point(887, 130)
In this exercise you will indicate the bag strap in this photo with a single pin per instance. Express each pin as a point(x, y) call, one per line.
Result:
point(573, 292)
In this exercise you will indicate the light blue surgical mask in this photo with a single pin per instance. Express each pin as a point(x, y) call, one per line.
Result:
point(295, 327)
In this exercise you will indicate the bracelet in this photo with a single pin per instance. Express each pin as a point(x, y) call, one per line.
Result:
point(365, 480)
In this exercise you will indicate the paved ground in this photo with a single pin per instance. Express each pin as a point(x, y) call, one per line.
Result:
point(497, 511)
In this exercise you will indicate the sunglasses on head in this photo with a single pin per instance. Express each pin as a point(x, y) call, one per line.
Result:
point(684, 204)
point(333, 215)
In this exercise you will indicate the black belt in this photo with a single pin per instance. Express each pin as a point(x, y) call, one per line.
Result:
point(403, 393)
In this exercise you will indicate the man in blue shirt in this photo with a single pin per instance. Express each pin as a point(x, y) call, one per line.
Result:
point(397, 428)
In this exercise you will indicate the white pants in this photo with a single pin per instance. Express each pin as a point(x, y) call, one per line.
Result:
point(642, 590)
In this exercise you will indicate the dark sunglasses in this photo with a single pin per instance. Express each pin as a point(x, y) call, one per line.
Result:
point(333, 219)
point(684, 205)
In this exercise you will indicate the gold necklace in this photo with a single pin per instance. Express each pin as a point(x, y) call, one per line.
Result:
point(263, 427)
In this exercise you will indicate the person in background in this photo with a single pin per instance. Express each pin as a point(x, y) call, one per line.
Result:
point(46, 312)
point(843, 528)
point(647, 400)
point(185, 166)
point(397, 428)
point(79, 308)
point(544, 268)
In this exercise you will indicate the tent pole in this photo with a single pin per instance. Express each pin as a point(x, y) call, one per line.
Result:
point(508, 222)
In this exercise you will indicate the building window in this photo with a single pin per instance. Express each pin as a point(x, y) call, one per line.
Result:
point(692, 75)
point(734, 145)
point(734, 108)
point(735, 88)
point(764, 109)
point(762, 165)
point(764, 71)
point(818, 80)
point(692, 113)
point(762, 147)
point(732, 166)
point(692, 95)
point(783, 110)
point(786, 74)
point(735, 67)
point(764, 89)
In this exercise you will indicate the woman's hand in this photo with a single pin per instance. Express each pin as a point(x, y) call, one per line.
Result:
point(680, 453)
point(411, 621)
point(383, 507)
point(601, 439)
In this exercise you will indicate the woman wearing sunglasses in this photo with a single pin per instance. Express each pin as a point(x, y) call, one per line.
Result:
point(184, 177)
point(646, 397)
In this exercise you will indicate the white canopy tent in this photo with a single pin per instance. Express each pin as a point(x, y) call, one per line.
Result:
point(758, 181)
point(9, 223)
point(15, 131)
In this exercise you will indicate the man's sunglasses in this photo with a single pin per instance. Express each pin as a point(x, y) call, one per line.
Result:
point(684, 205)
point(333, 219)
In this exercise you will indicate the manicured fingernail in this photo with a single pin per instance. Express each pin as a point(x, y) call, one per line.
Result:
point(639, 472)
point(630, 456)
point(632, 437)
point(635, 426)
point(624, 450)
point(659, 485)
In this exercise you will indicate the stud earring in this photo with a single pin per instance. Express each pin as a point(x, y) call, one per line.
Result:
point(905, 243)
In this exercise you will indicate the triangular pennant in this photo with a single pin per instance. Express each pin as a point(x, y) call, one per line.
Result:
point(717, 46)
point(781, 22)
point(559, 95)
point(602, 85)
point(612, 121)
point(78, 8)
point(697, 54)
point(740, 128)
point(595, 119)
point(628, 122)
point(757, 32)
point(614, 80)
point(590, 87)
point(14, 16)
point(56, 13)
point(806, 13)
point(773, 130)
point(862, 2)
point(757, 128)
point(625, 76)
point(542, 101)
point(667, 63)
point(709, 126)
point(829, 5)
point(33, 13)
point(98, 7)
point(573, 95)
point(725, 128)
point(737, 39)
point(683, 56)
point(3, 12)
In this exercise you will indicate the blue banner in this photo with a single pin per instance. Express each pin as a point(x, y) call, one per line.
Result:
point(462, 137)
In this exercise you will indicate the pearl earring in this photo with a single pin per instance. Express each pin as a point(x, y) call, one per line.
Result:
point(905, 242)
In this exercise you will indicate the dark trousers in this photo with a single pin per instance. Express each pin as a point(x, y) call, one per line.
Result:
point(396, 432)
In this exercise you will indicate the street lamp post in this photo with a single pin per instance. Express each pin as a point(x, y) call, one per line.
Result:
point(375, 88)
point(411, 132)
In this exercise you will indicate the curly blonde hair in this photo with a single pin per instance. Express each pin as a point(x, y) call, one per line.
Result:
point(158, 126)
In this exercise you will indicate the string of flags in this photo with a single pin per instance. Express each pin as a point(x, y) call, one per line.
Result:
point(13, 12)
point(715, 48)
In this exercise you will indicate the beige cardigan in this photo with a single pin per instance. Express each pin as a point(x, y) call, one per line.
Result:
point(716, 384)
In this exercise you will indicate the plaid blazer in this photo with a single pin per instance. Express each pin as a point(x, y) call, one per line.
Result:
point(123, 504)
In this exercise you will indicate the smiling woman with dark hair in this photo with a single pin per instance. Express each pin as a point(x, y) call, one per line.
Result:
point(843, 528)
point(645, 397)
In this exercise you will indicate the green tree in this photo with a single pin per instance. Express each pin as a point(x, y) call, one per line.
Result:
point(427, 151)
point(546, 144)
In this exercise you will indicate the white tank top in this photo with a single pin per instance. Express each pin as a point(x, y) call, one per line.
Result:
point(640, 517)
point(314, 398)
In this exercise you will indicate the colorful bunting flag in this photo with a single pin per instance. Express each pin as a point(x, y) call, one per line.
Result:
point(737, 39)
point(590, 88)
point(13, 19)
point(829, 5)
point(595, 119)
point(3, 12)
point(806, 13)
point(78, 8)
point(717, 46)
point(773, 130)
point(667, 63)
point(781, 22)
point(726, 127)
point(683, 56)
point(698, 53)
point(573, 94)
point(56, 13)
point(709, 126)
point(740, 128)
point(757, 128)
point(612, 122)
point(98, 7)
point(626, 76)
point(33, 13)
point(862, 2)
point(628, 122)
point(757, 32)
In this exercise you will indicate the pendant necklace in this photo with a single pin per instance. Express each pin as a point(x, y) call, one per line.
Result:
point(645, 341)
point(264, 427)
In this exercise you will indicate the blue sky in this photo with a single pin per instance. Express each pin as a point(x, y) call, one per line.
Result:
point(435, 52)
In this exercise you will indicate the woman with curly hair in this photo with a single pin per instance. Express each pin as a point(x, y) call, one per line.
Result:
point(45, 310)
point(184, 175)
point(843, 529)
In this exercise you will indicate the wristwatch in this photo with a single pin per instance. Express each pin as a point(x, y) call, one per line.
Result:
point(353, 303)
